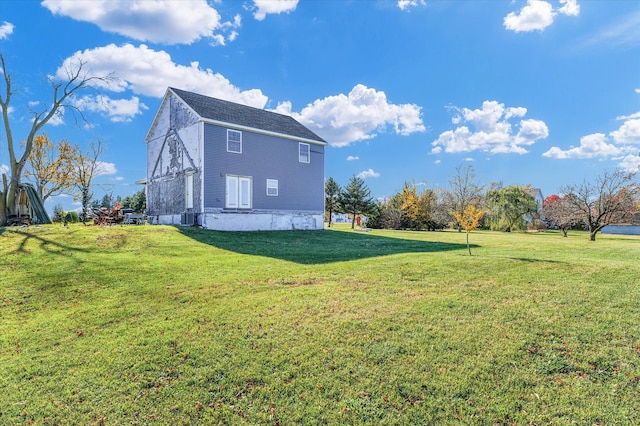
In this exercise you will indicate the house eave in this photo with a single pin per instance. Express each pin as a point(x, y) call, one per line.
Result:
point(261, 131)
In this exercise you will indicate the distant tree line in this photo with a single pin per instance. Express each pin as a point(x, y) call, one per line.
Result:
point(467, 203)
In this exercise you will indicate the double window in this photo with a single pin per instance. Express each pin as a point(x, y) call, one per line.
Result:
point(238, 194)
point(234, 141)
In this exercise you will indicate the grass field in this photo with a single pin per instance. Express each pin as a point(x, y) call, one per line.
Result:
point(163, 325)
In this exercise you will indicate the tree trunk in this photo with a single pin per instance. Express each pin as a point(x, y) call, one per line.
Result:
point(3, 201)
point(468, 246)
point(592, 235)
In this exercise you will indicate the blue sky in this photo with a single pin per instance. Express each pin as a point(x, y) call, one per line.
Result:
point(534, 92)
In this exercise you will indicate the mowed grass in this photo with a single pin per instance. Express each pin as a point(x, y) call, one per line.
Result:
point(164, 325)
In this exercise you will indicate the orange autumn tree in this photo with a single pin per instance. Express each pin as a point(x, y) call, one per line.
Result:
point(469, 220)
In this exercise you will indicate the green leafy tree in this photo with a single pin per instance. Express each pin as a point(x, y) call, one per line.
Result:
point(136, 202)
point(331, 197)
point(509, 207)
point(356, 199)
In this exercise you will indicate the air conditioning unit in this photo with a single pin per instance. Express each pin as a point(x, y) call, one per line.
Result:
point(188, 218)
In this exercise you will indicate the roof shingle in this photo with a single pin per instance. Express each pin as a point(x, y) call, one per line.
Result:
point(246, 116)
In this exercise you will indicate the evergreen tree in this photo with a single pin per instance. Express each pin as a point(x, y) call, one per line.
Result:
point(356, 199)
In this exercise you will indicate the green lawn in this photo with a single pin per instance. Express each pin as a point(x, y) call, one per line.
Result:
point(163, 325)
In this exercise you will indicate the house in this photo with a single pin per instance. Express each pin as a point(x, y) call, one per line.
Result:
point(226, 166)
point(631, 226)
point(536, 193)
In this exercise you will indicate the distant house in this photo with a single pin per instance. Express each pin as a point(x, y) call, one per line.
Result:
point(631, 226)
point(536, 193)
point(226, 166)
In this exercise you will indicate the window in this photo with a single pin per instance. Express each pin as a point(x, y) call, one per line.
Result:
point(188, 191)
point(304, 153)
point(238, 194)
point(272, 187)
point(234, 141)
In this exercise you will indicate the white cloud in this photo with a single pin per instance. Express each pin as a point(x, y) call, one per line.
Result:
point(538, 15)
point(352, 158)
point(492, 131)
point(629, 132)
point(265, 7)
point(6, 29)
point(621, 144)
point(360, 115)
point(367, 174)
point(637, 90)
point(118, 110)
point(158, 21)
point(4, 169)
point(406, 4)
point(570, 8)
point(630, 163)
point(594, 145)
point(103, 168)
point(149, 72)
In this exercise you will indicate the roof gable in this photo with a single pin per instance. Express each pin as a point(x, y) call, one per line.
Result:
point(222, 111)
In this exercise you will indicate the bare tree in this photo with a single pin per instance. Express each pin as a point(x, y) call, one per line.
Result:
point(609, 198)
point(464, 190)
point(77, 79)
point(86, 167)
point(560, 213)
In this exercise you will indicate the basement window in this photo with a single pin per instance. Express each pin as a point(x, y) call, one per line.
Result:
point(234, 141)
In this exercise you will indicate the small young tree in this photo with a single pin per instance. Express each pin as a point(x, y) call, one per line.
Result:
point(464, 190)
point(356, 199)
point(469, 220)
point(331, 197)
point(86, 167)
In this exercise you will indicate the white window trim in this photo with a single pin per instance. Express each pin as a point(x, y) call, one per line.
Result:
point(272, 184)
point(229, 131)
point(188, 191)
point(300, 159)
point(234, 194)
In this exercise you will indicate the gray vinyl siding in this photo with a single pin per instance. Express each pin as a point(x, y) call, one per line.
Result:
point(300, 185)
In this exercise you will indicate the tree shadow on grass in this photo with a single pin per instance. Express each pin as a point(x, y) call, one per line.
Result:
point(315, 247)
point(47, 245)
